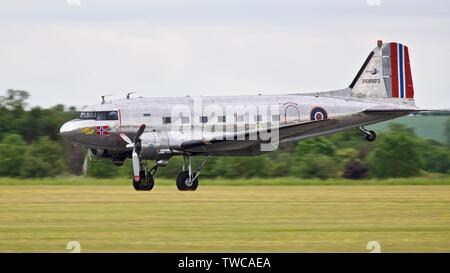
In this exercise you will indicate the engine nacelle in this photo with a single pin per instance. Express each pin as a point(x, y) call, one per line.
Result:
point(100, 153)
point(116, 158)
point(155, 147)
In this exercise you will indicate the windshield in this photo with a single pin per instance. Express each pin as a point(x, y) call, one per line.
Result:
point(104, 115)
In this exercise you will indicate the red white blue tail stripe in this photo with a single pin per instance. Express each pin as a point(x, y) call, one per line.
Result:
point(402, 86)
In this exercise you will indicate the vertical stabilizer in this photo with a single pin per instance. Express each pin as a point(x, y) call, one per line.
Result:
point(386, 73)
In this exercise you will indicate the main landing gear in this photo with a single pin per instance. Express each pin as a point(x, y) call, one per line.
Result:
point(145, 181)
point(187, 180)
point(369, 134)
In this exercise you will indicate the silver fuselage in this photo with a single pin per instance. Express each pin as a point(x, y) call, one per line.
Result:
point(223, 114)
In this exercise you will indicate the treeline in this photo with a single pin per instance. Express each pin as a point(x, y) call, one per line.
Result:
point(31, 147)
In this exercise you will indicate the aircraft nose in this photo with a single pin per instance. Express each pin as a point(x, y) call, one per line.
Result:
point(67, 131)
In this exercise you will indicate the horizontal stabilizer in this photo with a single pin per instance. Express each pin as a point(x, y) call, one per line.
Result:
point(384, 109)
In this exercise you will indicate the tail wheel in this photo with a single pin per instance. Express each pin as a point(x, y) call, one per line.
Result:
point(183, 183)
point(371, 136)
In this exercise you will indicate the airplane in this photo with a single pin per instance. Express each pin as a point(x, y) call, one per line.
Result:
point(159, 128)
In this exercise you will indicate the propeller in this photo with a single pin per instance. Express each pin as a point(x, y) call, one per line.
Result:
point(87, 160)
point(136, 145)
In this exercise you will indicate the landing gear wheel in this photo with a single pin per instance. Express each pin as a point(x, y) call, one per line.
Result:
point(183, 183)
point(146, 182)
point(136, 185)
point(371, 136)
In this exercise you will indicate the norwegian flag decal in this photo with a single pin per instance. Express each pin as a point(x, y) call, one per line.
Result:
point(103, 130)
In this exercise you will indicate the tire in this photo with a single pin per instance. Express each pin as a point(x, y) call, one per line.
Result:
point(182, 184)
point(147, 183)
point(371, 136)
point(137, 185)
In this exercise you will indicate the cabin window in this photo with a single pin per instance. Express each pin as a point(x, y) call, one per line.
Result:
point(184, 120)
point(88, 115)
point(147, 115)
point(167, 120)
point(221, 119)
point(258, 118)
point(104, 115)
point(275, 117)
point(203, 119)
point(111, 115)
point(239, 118)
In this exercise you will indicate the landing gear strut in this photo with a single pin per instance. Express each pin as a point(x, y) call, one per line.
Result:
point(187, 180)
point(146, 180)
point(369, 134)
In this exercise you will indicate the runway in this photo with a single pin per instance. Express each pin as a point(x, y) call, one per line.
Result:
point(225, 218)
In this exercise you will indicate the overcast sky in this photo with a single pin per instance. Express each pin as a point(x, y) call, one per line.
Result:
point(72, 54)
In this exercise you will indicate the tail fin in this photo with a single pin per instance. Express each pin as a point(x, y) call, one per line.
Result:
point(386, 73)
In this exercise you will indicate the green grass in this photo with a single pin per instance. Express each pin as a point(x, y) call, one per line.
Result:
point(432, 127)
point(428, 179)
point(43, 218)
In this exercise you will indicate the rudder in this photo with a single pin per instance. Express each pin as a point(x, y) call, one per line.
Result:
point(386, 73)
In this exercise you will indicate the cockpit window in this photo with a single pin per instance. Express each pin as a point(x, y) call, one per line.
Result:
point(88, 115)
point(104, 115)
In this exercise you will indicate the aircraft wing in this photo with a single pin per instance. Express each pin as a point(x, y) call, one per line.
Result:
point(245, 139)
point(406, 110)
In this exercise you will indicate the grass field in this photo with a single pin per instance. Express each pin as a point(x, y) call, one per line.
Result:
point(427, 179)
point(112, 218)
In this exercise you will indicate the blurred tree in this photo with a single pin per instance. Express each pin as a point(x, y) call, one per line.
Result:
point(6, 121)
point(352, 162)
point(315, 158)
point(102, 168)
point(355, 169)
point(280, 163)
point(15, 101)
point(348, 138)
point(447, 131)
point(396, 155)
point(30, 124)
point(320, 145)
point(316, 166)
point(258, 166)
point(12, 151)
point(43, 159)
point(436, 156)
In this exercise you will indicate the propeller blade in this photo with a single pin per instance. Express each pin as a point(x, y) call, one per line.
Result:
point(136, 144)
point(126, 139)
point(85, 166)
point(87, 159)
point(139, 133)
point(136, 166)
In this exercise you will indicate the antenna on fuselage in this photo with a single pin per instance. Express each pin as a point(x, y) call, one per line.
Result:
point(128, 94)
point(104, 96)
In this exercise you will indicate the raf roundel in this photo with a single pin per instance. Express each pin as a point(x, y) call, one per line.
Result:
point(318, 113)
